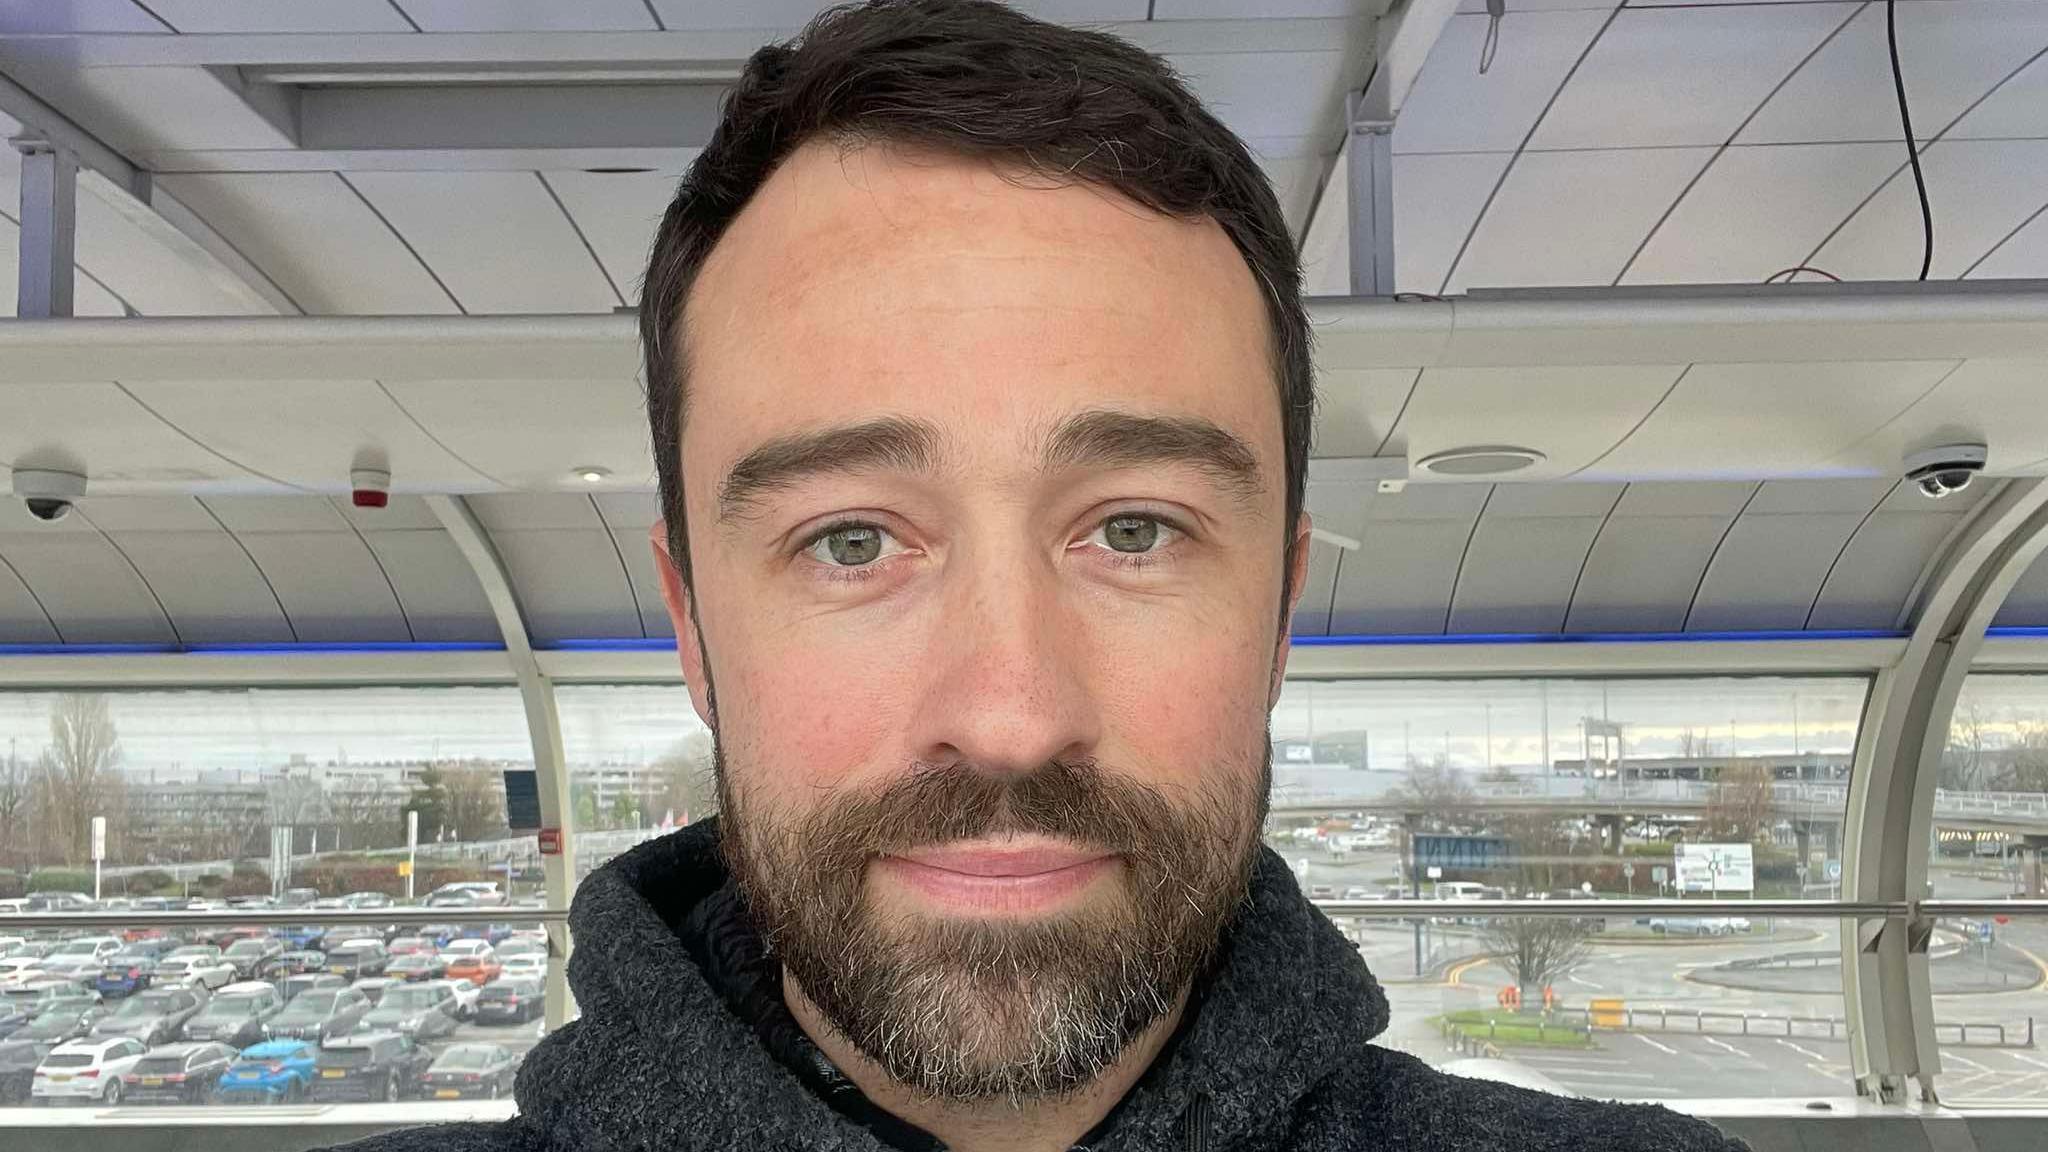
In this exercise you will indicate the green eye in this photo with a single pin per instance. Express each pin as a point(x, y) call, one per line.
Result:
point(852, 546)
point(1130, 534)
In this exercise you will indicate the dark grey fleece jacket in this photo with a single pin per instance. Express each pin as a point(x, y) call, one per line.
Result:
point(1278, 1057)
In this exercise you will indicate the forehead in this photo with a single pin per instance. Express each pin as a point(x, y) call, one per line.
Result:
point(881, 279)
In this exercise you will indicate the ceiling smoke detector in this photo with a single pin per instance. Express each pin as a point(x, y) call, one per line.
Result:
point(1492, 460)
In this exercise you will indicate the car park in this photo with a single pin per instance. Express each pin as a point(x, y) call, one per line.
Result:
point(286, 964)
point(415, 966)
point(69, 1021)
point(511, 1000)
point(374, 1066)
point(249, 952)
point(274, 1070)
point(291, 986)
point(422, 1011)
point(357, 958)
point(85, 1071)
point(524, 964)
point(467, 1071)
point(236, 1014)
point(194, 964)
point(184, 1073)
point(318, 1015)
point(154, 1017)
point(126, 973)
point(18, 1060)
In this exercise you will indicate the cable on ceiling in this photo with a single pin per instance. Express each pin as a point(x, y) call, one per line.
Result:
point(1495, 9)
point(1891, 31)
point(1792, 273)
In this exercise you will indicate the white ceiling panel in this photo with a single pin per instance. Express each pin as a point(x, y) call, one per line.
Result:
point(1400, 582)
point(1642, 571)
point(1571, 415)
point(2027, 605)
point(1759, 210)
point(1744, 419)
point(1334, 507)
point(155, 277)
point(1768, 570)
point(310, 432)
point(618, 212)
point(2023, 255)
point(571, 583)
point(122, 514)
point(1436, 200)
point(142, 110)
point(496, 239)
point(1294, 181)
point(633, 510)
point(2011, 112)
point(45, 17)
point(87, 297)
point(330, 585)
point(1257, 96)
point(211, 589)
point(530, 434)
point(642, 582)
point(317, 239)
point(1453, 108)
point(442, 600)
point(244, 514)
point(1573, 217)
point(1356, 408)
point(1519, 571)
point(1995, 402)
point(1951, 54)
point(1682, 75)
point(90, 592)
point(528, 15)
point(535, 511)
point(118, 442)
point(1877, 571)
point(1797, 497)
point(400, 512)
point(22, 620)
point(1980, 190)
point(280, 15)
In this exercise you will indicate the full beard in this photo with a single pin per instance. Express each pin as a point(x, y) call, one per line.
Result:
point(966, 1010)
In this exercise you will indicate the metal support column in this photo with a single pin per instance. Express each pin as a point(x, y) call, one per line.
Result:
point(543, 728)
point(1889, 1001)
point(49, 217)
point(1369, 187)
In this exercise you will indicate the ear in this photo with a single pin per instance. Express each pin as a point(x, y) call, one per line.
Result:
point(689, 645)
point(1297, 580)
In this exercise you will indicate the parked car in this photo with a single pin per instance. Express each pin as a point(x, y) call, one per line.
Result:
point(235, 1016)
point(12, 1016)
point(194, 964)
point(291, 986)
point(521, 945)
point(85, 1071)
point(274, 1070)
point(286, 964)
point(374, 1066)
point(525, 964)
point(318, 1015)
point(68, 1021)
point(154, 1017)
point(415, 966)
point(466, 994)
point(177, 1073)
point(423, 1011)
point(410, 946)
point(375, 986)
point(42, 995)
point(19, 969)
point(367, 900)
point(302, 937)
point(357, 958)
point(18, 1060)
point(127, 972)
point(249, 952)
point(477, 967)
point(511, 1000)
point(58, 902)
point(464, 1071)
point(299, 897)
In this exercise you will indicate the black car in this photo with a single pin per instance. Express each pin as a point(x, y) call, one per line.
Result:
point(318, 1015)
point(154, 1017)
point(291, 986)
point(463, 1071)
point(511, 1000)
point(374, 1066)
point(251, 952)
point(70, 1020)
point(18, 1061)
point(287, 964)
point(421, 1011)
point(236, 1016)
point(358, 958)
point(417, 966)
point(177, 1074)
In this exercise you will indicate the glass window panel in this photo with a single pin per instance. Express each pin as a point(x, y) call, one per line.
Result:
point(639, 764)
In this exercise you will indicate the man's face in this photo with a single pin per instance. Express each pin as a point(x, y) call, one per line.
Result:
point(985, 496)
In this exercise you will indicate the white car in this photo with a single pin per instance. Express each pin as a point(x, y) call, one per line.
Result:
point(523, 964)
point(208, 971)
point(95, 948)
point(17, 970)
point(466, 949)
point(86, 1070)
point(465, 996)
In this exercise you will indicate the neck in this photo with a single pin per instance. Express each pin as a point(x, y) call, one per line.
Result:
point(1053, 1124)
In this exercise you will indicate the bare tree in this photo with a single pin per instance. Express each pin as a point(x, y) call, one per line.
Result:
point(475, 799)
point(1964, 763)
point(1537, 950)
point(1438, 791)
point(2026, 769)
point(77, 777)
point(1542, 846)
point(15, 785)
point(1739, 810)
point(364, 816)
point(689, 785)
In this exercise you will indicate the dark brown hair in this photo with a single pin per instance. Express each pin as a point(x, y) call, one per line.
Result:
point(977, 79)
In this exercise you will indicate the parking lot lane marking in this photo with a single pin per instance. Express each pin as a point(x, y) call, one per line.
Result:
point(2036, 1061)
point(1664, 1048)
point(1809, 1053)
point(1582, 981)
point(1572, 1073)
point(1727, 1047)
point(1965, 1061)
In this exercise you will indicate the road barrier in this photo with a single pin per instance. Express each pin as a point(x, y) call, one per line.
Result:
point(1606, 1017)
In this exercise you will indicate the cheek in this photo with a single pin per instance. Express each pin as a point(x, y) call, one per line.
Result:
point(1186, 707)
point(804, 718)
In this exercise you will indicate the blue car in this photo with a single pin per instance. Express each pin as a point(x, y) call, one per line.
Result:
point(302, 937)
point(125, 974)
point(272, 1070)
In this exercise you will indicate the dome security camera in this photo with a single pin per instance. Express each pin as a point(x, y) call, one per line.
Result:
point(48, 492)
point(1948, 468)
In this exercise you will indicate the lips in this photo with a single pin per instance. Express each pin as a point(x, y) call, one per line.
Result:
point(1008, 861)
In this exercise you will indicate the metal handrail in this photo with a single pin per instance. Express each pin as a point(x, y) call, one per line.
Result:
point(283, 917)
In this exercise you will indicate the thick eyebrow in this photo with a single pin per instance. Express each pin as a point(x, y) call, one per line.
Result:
point(891, 442)
point(1111, 439)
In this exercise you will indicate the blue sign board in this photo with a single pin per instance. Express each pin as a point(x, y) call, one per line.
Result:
point(522, 799)
point(1461, 853)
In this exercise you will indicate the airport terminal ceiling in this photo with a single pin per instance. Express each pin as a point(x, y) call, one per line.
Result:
point(1624, 356)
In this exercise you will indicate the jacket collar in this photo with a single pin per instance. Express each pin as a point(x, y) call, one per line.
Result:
point(659, 1060)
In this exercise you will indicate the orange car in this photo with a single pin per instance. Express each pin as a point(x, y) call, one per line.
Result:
point(479, 970)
